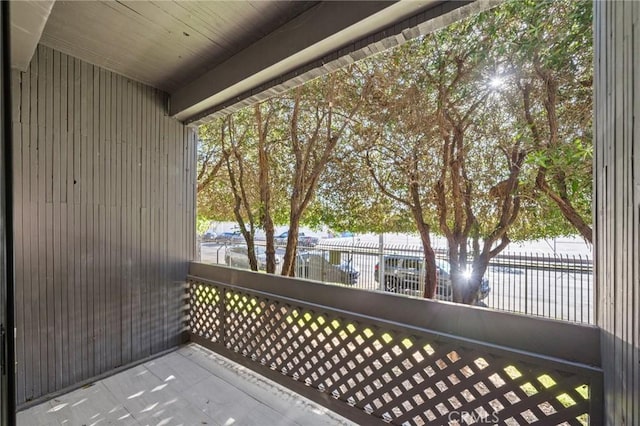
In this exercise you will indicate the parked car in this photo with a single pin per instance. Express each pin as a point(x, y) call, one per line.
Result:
point(229, 237)
point(316, 266)
point(238, 257)
point(404, 274)
point(209, 237)
point(303, 240)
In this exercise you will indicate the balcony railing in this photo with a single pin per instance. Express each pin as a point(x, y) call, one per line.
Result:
point(372, 356)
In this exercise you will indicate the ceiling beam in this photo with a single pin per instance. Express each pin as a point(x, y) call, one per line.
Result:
point(313, 34)
point(28, 19)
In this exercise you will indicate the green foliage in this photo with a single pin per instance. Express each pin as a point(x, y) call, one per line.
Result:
point(202, 224)
point(487, 60)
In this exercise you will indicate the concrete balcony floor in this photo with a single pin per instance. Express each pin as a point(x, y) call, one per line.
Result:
point(190, 386)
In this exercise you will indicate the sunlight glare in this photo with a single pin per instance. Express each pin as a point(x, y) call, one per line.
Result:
point(496, 82)
point(159, 387)
point(58, 407)
point(149, 407)
point(171, 401)
point(79, 402)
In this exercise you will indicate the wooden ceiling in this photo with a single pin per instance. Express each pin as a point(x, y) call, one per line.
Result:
point(164, 44)
point(213, 56)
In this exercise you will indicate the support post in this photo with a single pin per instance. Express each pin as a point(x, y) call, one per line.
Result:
point(381, 261)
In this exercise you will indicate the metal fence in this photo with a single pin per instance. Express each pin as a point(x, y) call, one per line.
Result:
point(545, 285)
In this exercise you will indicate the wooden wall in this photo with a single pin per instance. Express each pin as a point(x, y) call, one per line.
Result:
point(617, 173)
point(104, 207)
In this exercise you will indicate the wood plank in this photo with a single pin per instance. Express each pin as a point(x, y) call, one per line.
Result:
point(155, 230)
point(635, 316)
point(178, 166)
point(166, 269)
point(98, 272)
point(53, 225)
point(79, 362)
point(33, 121)
point(63, 278)
point(64, 130)
point(111, 294)
point(68, 220)
point(133, 218)
point(39, 70)
point(95, 290)
point(127, 316)
point(618, 205)
point(78, 104)
point(16, 107)
point(49, 124)
point(63, 271)
point(145, 225)
point(24, 323)
point(55, 299)
point(40, 236)
point(164, 274)
point(19, 234)
point(625, 80)
point(83, 235)
point(75, 296)
point(55, 127)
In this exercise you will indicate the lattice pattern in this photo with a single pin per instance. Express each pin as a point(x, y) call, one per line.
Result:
point(403, 378)
point(205, 316)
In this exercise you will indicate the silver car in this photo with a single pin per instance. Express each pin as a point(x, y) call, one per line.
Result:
point(237, 256)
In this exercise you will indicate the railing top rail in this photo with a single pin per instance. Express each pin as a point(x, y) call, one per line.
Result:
point(574, 343)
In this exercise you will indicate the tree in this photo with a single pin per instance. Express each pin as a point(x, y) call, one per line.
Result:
point(320, 114)
point(470, 132)
point(237, 141)
point(552, 61)
point(214, 199)
point(265, 145)
point(457, 74)
point(432, 152)
point(397, 151)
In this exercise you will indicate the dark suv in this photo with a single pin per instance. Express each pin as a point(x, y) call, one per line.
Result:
point(405, 274)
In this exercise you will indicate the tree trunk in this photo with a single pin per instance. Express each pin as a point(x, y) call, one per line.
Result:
point(289, 261)
point(431, 277)
point(265, 191)
point(251, 251)
point(271, 248)
point(457, 276)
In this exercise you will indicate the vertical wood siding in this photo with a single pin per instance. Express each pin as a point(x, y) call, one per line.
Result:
point(617, 173)
point(104, 207)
